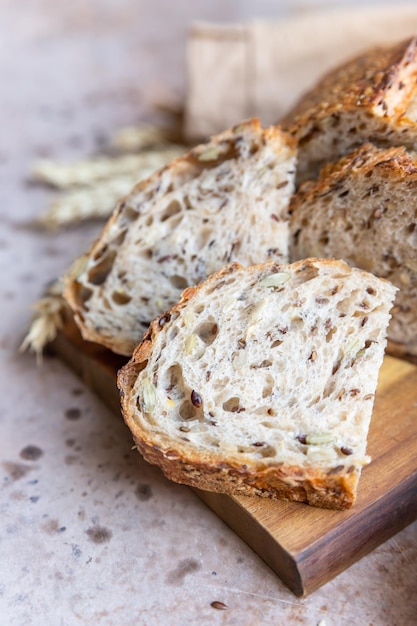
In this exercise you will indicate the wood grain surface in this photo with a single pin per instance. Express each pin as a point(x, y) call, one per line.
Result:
point(306, 546)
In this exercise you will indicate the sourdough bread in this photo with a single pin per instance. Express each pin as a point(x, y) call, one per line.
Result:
point(226, 200)
point(363, 209)
point(261, 381)
point(372, 98)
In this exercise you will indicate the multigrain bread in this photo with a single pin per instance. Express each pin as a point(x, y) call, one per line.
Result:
point(372, 98)
point(261, 381)
point(363, 209)
point(226, 200)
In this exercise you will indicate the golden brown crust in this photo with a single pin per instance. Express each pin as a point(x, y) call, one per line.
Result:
point(333, 489)
point(381, 80)
point(283, 482)
point(393, 162)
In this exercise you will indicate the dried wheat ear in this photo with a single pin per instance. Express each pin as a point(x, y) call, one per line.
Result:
point(261, 380)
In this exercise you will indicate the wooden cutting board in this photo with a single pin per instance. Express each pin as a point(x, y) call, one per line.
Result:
point(305, 546)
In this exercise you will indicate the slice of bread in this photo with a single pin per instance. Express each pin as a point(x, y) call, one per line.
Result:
point(261, 380)
point(224, 201)
point(363, 209)
point(372, 98)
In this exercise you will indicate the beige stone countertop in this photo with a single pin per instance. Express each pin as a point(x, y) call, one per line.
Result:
point(90, 533)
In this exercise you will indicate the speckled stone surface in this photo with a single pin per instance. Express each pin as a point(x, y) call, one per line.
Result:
point(89, 533)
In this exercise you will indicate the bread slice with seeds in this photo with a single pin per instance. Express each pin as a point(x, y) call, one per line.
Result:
point(372, 98)
point(226, 200)
point(261, 381)
point(363, 209)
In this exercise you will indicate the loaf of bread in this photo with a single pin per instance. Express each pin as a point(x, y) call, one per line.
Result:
point(363, 209)
point(226, 200)
point(372, 98)
point(261, 380)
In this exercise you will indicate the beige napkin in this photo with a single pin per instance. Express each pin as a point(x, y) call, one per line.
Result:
point(261, 68)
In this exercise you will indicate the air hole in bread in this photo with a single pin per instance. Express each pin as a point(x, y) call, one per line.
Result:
point(207, 331)
point(220, 285)
point(307, 272)
point(179, 282)
point(106, 304)
point(187, 410)
point(141, 366)
point(173, 333)
point(344, 305)
point(174, 382)
point(264, 364)
point(276, 343)
point(267, 451)
point(329, 388)
point(220, 384)
point(146, 253)
point(83, 293)
point(211, 441)
point(205, 235)
point(149, 220)
point(296, 322)
point(98, 273)
point(100, 253)
point(121, 297)
point(216, 287)
point(330, 333)
point(391, 261)
point(187, 203)
point(268, 386)
point(79, 316)
point(130, 214)
point(296, 237)
point(232, 404)
point(324, 239)
point(120, 238)
point(312, 402)
point(173, 208)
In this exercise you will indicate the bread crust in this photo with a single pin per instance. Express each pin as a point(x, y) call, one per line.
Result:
point(395, 163)
point(333, 489)
point(369, 81)
point(365, 99)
